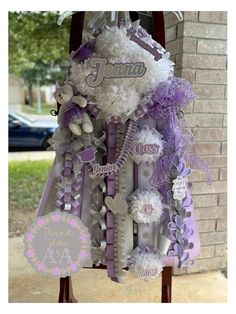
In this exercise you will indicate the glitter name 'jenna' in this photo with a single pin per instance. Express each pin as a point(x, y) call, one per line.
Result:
point(106, 70)
point(131, 33)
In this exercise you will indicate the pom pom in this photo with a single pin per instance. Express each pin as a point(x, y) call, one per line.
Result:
point(145, 264)
point(145, 206)
point(120, 96)
point(147, 146)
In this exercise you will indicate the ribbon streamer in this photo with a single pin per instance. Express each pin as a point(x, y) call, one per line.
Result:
point(99, 215)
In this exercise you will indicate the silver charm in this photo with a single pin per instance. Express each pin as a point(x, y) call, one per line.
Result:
point(117, 204)
point(179, 188)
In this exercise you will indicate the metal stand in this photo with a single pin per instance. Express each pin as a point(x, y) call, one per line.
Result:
point(166, 285)
point(66, 291)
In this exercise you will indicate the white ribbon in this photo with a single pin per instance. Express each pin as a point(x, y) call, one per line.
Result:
point(99, 20)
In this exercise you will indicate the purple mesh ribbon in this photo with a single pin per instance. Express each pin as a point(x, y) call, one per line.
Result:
point(167, 99)
point(174, 94)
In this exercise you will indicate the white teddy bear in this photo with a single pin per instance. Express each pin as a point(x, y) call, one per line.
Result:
point(71, 113)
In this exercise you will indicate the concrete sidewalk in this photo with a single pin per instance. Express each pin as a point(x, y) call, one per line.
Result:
point(93, 286)
point(39, 155)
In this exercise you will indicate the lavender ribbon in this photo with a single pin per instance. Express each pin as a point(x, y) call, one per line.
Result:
point(69, 195)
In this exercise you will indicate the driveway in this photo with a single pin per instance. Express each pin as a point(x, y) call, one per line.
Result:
point(39, 155)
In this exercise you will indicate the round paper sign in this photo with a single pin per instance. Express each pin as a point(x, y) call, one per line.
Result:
point(57, 244)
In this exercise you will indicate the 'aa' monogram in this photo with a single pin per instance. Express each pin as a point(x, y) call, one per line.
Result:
point(54, 256)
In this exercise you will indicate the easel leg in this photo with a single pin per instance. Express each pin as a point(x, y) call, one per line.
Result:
point(166, 285)
point(66, 291)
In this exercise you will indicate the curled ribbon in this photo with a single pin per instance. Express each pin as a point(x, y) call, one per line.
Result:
point(98, 253)
point(100, 216)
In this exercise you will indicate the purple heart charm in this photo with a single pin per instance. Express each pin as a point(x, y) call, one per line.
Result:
point(178, 249)
point(172, 254)
point(187, 172)
point(187, 202)
point(178, 221)
point(171, 236)
point(181, 168)
point(185, 257)
point(171, 226)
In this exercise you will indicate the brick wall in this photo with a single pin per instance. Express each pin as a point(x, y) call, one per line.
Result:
point(198, 47)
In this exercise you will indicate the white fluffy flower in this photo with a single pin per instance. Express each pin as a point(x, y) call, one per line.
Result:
point(78, 75)
point(147, 145)
point(145, 264)
point(118, 96)
point(145, 206)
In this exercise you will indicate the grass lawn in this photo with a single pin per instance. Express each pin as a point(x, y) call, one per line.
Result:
point(33, 110)
point(26, 183)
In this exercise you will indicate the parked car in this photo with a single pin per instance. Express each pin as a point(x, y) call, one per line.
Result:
point(27, 134)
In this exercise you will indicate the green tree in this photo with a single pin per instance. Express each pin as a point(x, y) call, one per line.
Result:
point(38, 46)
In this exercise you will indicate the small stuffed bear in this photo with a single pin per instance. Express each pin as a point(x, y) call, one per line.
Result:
point(71, 113)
